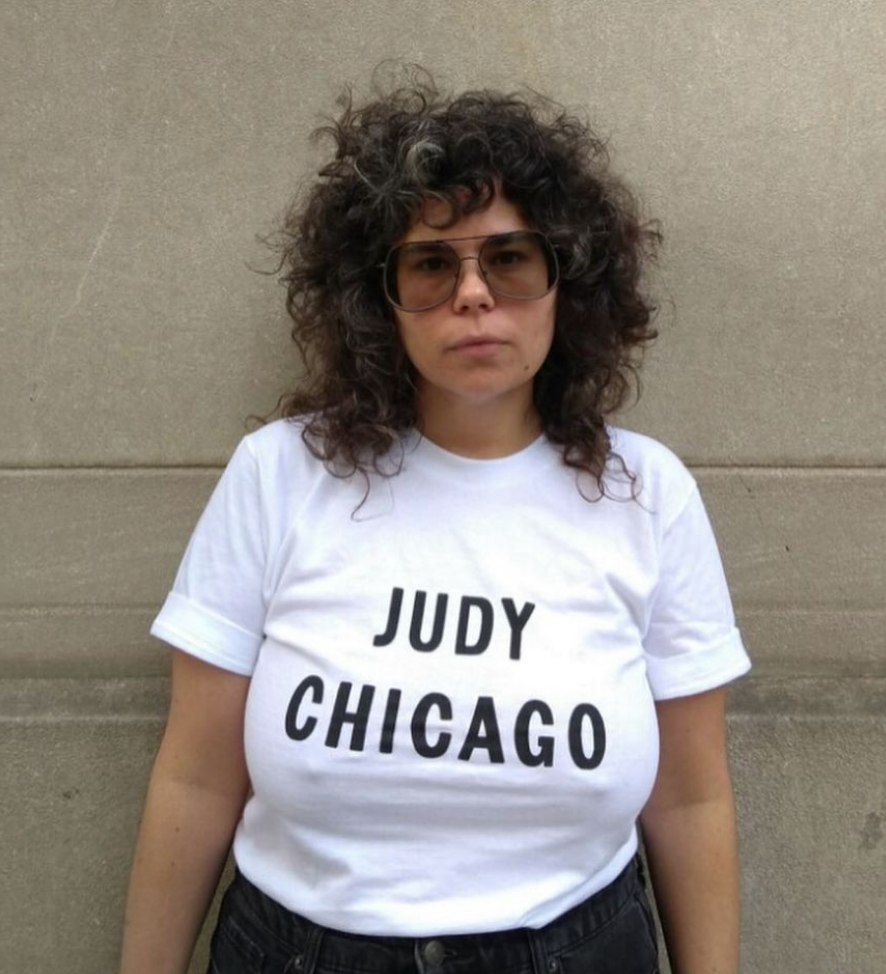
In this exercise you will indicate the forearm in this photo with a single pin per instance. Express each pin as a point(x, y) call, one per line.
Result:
point(693, 860)
point(183, 841)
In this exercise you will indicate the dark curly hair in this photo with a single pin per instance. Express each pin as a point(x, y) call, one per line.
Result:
point(391, 155)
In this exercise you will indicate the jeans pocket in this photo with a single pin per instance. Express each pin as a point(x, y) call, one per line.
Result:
point(233, 951)
point(623, 946)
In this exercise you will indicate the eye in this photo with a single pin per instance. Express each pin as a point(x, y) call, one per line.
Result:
point(431, 264)
point(507, 256)
point(427, 260)
point(510, 251)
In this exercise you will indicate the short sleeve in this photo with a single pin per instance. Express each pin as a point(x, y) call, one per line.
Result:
point(691, 642)
point(216, 609)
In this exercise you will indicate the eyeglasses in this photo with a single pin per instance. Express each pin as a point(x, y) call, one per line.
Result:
point(521, 265)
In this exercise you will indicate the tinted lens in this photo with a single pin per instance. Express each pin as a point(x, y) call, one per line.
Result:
point(519, 265)
point(421, 275)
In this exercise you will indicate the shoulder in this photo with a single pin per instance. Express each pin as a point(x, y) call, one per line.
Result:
point(644, 451)
point(662, 479)
point(290, 474)
point(279, 444)
point(275, 461)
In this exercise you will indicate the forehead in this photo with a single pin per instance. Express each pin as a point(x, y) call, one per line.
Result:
point(500, 216)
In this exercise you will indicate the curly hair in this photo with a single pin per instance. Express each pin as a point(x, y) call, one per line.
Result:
point(392, 154)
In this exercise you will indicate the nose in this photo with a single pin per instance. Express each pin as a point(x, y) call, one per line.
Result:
point(471, 290)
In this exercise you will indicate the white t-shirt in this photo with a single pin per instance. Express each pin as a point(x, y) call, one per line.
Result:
point(450, 726)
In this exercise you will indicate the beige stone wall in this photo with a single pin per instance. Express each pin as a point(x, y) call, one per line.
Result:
point(146, 143)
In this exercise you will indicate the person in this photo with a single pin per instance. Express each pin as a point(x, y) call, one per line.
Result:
point(457, 637)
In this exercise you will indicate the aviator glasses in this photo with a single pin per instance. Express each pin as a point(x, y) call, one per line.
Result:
point(521, 265)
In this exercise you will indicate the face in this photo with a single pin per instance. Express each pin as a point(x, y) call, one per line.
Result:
point(477, 348)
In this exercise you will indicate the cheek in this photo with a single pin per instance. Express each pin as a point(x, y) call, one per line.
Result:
point(542, 340)
point(411, 342)
point(402, 332)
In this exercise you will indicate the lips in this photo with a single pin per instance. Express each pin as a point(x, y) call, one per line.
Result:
point(479, 341)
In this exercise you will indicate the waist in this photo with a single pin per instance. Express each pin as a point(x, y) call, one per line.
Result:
point(513, 949)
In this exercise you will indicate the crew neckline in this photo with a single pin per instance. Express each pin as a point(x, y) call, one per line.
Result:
point(425, 456)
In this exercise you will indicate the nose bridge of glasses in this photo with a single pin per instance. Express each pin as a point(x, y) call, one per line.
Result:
point(461, 278)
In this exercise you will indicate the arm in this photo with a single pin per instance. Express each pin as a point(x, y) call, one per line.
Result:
point(689, 832)
point(195, 797)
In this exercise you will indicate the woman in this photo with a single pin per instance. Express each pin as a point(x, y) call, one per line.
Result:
point(457, 634)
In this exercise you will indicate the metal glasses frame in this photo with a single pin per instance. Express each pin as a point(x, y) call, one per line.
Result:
point(550, 252)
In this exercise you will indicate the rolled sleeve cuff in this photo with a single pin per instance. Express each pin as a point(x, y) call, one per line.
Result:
point(205, 634)
point(682, 674)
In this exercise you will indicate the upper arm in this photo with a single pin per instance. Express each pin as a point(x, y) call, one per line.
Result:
point(203, 742)
point(691, 642)
point(216, 609)
point(693, 765)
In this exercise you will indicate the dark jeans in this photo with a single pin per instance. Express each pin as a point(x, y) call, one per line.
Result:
point(611, 933)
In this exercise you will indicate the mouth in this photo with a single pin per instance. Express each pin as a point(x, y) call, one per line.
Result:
point(478, 342)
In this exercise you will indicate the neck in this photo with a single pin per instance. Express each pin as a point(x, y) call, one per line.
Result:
point(482, 431)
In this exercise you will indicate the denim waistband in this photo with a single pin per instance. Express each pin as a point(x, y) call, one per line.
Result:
point(523, 949)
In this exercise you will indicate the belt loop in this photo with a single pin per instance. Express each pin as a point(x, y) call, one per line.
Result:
point(417, 955)
point(538, 951)
point(306, 961)
point(641, 870)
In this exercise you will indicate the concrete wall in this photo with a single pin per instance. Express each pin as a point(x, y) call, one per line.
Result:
point(145, 145)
